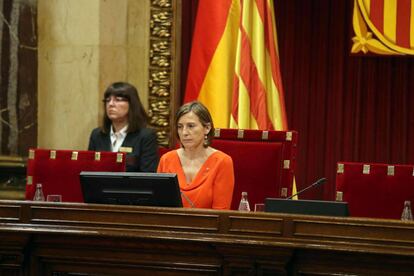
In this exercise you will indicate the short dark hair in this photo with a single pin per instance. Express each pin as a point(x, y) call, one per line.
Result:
point(137, 117)
point(203, 115)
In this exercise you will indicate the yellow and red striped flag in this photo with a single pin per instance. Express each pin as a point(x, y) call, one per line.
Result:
point(384, 27)
point(234, 65)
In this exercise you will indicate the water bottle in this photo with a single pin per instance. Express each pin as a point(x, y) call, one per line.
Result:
point(407, 214)
point(39, 196)
point(244, 205)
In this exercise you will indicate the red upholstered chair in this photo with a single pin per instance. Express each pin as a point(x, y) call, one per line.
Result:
point(162, 150)
point(264, 162)
point(375, 190)
point(58, 170)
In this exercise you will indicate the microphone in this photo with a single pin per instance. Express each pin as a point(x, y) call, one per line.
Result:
point(187, 199)
point(317, 183)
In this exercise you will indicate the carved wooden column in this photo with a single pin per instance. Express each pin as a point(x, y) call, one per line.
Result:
point(164, 86)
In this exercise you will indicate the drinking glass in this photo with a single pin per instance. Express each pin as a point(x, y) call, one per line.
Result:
point(259, 207)
point(54, 198)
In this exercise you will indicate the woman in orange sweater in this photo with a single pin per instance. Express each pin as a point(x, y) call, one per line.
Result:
point(205, 174)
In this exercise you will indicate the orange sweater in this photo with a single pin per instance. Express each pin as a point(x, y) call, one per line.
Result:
point(213, 185)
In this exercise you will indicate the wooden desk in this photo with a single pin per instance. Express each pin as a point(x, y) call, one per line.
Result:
point(64, 239)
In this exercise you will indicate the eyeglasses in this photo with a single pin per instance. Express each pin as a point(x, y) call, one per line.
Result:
point(117, 99)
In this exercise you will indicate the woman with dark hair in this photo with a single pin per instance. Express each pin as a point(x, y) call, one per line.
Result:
point(205, 174)
point(124, 129)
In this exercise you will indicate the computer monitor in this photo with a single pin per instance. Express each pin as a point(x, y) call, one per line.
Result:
point(307, 207)
point(131, 188)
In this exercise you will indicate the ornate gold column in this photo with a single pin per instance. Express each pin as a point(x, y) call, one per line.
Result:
point(164, 67)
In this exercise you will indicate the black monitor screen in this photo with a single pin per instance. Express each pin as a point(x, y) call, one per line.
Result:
point(130, 188)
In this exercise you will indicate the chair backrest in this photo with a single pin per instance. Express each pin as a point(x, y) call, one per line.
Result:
point(374, 190)
point(264, 162)
point(58, 170)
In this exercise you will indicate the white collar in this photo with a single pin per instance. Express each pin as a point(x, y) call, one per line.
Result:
point(120, 134)
point(117, 138)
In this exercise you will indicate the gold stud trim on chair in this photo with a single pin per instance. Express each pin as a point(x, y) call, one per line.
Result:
point(31, 154)
point(390, 170)
point(340, 168)
point(339, 196)
point(217, 132)
point(52, 154)
point(240, 133)
point(119, 158)
point(97, 156)
point(74, 155)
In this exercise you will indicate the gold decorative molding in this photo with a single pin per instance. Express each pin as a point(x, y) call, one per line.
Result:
point(12, 161)
point(162, 67)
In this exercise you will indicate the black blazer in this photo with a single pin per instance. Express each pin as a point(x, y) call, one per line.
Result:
point(144, 156)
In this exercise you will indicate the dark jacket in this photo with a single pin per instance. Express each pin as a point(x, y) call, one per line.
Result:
point(143, 143)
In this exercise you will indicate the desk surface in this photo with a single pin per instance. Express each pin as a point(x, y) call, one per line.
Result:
point(108, 239)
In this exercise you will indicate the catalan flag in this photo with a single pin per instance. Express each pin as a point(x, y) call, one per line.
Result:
point(384, 27)
point(234, 65)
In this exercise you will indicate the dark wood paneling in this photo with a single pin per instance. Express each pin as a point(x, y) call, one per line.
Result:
point(18, 79)
point(64, 238)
